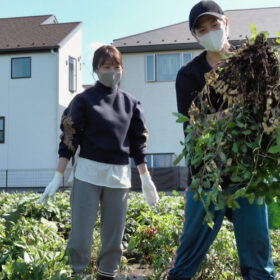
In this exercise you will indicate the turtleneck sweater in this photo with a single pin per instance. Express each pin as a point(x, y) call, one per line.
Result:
point(108, 125)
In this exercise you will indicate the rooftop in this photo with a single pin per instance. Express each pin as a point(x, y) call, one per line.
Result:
point(178, 35)
point(34, 32)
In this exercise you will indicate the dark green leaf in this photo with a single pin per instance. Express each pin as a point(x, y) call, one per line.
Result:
point(223, 157)
point(235, 148)
point(240, 124)
point(235, 204)
point(254, 127)
point(208, 156)
point(180, 117)
point(244, 149)
point(179, 158)
point(235, 178)
point(231, 124)
point(278, 137)
point(197, 161)
point(246, 132)
point(251, 198)
point(274, 149)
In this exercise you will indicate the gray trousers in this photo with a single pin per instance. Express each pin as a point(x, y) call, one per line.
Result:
point(85, 199)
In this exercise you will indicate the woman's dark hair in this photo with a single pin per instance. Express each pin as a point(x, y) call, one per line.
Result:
point(105, 53)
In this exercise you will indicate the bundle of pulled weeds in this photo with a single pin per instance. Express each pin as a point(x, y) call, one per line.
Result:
point(233, 139)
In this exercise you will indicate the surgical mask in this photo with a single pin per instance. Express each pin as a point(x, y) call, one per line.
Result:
point(214, 40)
point(110, 79)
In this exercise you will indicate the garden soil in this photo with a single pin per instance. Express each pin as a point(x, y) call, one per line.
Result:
point(136, 272)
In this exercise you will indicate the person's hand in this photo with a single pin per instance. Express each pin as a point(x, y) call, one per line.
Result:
point(149, 190)
point(51, 188)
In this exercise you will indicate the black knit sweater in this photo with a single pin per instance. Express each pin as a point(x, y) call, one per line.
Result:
point(108, 125)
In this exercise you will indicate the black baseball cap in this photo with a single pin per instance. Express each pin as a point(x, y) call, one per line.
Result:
point(204, 8)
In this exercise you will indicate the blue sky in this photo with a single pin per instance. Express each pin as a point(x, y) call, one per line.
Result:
point(106, 20)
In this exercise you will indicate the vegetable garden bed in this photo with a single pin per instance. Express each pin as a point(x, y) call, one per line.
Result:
point(33, 239)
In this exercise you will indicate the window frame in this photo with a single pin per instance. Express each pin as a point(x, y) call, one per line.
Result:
point(154, 69)
point(70, 59)
point(190, 53)
point(150, 157)
point(3, 141)
point(30, 68)
point(155, 56)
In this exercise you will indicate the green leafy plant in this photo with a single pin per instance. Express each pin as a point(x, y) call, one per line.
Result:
point(31, 243)
point(157, 234)
point(234, 147)
point(33, 239)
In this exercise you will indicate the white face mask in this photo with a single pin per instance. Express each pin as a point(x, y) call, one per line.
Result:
point(110, 79)
point(213, 41)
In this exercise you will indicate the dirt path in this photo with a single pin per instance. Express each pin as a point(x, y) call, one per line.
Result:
point(136, 272)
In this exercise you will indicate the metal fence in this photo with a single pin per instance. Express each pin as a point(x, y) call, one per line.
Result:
point(159, 164)
point(29, 178)
point(165, 178)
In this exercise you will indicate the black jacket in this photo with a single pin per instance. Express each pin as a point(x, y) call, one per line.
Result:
point(189, 82)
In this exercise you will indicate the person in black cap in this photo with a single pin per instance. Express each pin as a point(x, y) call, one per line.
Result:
point(209, 26)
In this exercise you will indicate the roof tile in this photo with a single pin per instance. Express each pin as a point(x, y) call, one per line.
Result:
point(33, 32)
point(265, 19)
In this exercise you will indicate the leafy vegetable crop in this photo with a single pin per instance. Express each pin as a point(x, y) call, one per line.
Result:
point(234, 148)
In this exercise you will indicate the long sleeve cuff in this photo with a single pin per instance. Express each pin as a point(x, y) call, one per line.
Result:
point(65, 154)
point(140, 159)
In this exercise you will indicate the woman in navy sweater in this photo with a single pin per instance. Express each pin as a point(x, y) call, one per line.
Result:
point(109, 127)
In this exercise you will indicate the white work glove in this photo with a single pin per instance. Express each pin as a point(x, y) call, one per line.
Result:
point(51, 188)
point(149, 190)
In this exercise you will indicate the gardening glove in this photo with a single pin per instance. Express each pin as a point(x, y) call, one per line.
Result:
point(51, 188)
point(149, 190)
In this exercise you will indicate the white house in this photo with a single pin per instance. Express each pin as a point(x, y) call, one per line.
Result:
point(153, 58)
point(40, 72)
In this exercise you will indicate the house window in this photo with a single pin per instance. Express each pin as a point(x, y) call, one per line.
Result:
point(72, 74)
point(164, 67)
point(2, 129)
point(168, 66)
point(21, 67)
point(150, 68)
point(158, 160)
point(186, 58)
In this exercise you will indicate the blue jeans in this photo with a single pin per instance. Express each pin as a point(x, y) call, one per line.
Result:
point(251, 233)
